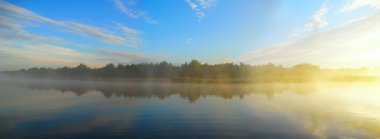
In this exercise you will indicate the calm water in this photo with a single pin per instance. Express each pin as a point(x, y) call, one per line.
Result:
point(73, 109)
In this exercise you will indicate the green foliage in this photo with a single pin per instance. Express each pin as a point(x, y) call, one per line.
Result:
point(194, 70)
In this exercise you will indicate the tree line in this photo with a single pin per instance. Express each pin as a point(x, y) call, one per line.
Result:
point(189, 71)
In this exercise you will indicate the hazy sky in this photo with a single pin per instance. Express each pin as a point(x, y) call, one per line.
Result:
point(51, 33)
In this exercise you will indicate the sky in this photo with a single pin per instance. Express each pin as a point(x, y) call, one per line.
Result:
point(50, 33)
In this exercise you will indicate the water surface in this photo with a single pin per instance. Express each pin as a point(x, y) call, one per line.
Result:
point(76, 109)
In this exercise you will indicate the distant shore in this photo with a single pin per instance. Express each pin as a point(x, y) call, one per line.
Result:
point(198, 72)
point(198, 80)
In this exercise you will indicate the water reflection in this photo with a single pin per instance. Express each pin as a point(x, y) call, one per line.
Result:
point(71, 109)
point(188, 91)
point(337, 111)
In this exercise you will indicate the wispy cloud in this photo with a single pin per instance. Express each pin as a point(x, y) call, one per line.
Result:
point(200, 5)
point(353, 44)
point(5, 55)
point(45, 55)
point(197, 11)
point(123, 57)
point(10, 29)
point(86, 30)
point(356, 4)
point(22, 13)
point(188, 41)
point(21, 49)
point(131, 35)
point(13, 18)
point(207, 3)
point(317, 21)
point(127, 9)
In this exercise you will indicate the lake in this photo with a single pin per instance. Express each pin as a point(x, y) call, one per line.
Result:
point(78, 109)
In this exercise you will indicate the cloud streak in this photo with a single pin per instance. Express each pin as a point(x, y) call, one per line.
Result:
point(22, 49)
point(354, 44)
point(11, 30)
point(121, 54)
point(131, 35)
point(188, 41)
point(130, 12)
point(207, 3)
point(124, 57)
point(317, 21)
point(13, 18)
point(195, 8)
point(44, 55)
point(356, 4)
point(199, 6)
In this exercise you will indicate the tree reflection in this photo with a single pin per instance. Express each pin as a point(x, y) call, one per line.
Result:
point(187, 91)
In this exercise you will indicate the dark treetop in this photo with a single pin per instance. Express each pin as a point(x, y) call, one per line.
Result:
point(197, 72)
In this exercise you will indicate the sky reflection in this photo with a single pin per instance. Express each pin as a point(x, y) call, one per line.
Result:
point(189, 110)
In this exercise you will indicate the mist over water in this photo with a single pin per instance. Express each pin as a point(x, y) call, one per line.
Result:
point(213, 69)
point(95, 109)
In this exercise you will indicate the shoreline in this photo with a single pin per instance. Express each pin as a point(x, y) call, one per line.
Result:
point(342, 79)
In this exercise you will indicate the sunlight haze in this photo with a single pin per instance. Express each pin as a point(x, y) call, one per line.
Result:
point(190, 69)
point(329, 33)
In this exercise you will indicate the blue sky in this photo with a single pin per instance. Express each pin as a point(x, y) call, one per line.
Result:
point(287, 32)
